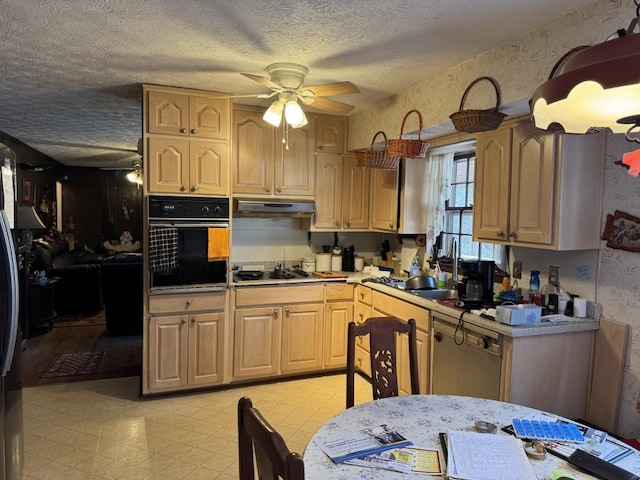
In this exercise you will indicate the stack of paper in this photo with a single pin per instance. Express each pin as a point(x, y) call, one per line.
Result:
point(481, 456)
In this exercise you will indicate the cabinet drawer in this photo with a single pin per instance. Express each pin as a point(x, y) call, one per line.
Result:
point(363, 362)
point(279, 295)
point(363, 294)
point(339, 291)
point(187, 302)
point(403, 310)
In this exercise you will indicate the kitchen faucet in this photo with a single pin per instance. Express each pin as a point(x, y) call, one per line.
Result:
point(455, 261)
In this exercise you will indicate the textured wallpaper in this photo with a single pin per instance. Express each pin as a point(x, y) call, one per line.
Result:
point(519, 67)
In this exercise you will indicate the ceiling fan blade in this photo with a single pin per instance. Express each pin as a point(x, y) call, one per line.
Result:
point(263, 81)
point(329, 89)
point(254, 95)
point(329, 105)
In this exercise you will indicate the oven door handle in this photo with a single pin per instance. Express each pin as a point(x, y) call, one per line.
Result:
point(189, 225)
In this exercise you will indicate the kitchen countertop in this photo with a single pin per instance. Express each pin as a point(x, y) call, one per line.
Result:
point(542, 328)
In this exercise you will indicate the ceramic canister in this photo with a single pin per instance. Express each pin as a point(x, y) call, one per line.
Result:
point(323, 262)
point(336, 263)
point(308, 264)
point(359, 263)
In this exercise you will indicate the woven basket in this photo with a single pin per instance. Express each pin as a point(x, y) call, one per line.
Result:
point(408, 148)
point(472, 121)
point(377, 158)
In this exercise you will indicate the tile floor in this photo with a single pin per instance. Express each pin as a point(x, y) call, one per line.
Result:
point(100, 429)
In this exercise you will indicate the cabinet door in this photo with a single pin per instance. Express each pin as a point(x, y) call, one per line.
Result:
point(252, 153)
point(330, 134)
point(302, 337)
point(168, 113)
point(533, 169)
point(491, 197)
point(294, 172)
point(328, 191)
point(362, 313)
point(355, 194)
point(256, 342)
point(168, 165)
point(168, 352)
point(209, 117)
point(206, 349)
point(404, 374)
point(384, 199)
point(337, 317)
point(208, 168)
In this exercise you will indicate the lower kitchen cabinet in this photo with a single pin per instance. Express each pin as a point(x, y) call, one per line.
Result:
point(257, 342)
point(338, 315)
point(184, 341)
point(302, 330)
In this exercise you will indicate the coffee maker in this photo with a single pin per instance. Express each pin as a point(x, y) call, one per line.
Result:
point(476, 289)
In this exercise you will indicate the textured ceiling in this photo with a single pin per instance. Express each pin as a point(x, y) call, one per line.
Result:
point(70, 70)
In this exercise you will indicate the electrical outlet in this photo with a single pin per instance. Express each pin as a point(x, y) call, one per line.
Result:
point(517, 269)
point(554, 275)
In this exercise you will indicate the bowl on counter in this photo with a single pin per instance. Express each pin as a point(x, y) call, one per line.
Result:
point(421, 282)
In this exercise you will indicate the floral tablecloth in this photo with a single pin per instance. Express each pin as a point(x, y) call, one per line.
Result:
point(420, 418)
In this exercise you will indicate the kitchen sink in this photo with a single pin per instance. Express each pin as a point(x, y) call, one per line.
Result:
point(435, 294)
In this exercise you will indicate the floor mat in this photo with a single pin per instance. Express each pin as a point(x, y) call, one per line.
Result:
point(71, 364)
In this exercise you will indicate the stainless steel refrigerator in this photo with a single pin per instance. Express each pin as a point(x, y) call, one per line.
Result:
point(11, 429)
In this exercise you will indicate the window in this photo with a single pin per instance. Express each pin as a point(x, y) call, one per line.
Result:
point(459, 212)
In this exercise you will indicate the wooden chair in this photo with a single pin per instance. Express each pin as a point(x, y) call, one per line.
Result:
point(273, 458)
point(382, 339)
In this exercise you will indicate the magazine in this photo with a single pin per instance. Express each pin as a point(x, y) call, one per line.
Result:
point(341, 448)
point(414, 460)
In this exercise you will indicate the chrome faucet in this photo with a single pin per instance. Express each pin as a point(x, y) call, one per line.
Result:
point(455, 261)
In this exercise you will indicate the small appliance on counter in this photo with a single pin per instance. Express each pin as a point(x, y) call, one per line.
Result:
point(348, 259)
point(477, 287)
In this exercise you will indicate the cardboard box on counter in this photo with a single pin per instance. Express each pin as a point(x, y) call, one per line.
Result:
point(518, 314)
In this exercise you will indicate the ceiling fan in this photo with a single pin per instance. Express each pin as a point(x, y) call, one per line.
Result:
point(287, 82)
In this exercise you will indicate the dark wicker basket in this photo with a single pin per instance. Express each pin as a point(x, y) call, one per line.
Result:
point(376, 157)
point(409, 148)
point(472, 121)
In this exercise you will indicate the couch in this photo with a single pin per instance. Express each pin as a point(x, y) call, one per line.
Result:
point(79, 288)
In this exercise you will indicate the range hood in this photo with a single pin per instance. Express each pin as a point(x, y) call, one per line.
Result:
point(273, 208)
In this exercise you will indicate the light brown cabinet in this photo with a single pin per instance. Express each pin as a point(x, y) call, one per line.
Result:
point(265, 166)
point(187, 167)
point(330, 134)
point(184, 342)
point(363, 311)
point(538, 189)
point(384, 200)
point(256, 349)
point(302, 330)
point(186, 141)
point(187, 115)
point(355, 195)
point(337, 317)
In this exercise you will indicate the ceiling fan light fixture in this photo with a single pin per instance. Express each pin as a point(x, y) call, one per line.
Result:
point(273, 115)
point(294, 115)
point(591, 88)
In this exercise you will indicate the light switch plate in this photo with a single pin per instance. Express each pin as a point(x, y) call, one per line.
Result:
point(517, 269)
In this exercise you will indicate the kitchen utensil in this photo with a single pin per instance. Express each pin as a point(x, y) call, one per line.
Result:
point(250, 274)
point(421, 282)
point(330, 275)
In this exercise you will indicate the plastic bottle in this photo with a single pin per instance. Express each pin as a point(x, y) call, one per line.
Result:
point(415, 268)
point(534, 282)
point(506, 283)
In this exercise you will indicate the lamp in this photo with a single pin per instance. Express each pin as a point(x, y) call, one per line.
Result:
point(26, 220)
point(287, 103)
point(273, 115)
point(592, 88)
point(135, 176)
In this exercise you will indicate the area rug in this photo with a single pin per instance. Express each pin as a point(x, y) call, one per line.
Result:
point(72, 364)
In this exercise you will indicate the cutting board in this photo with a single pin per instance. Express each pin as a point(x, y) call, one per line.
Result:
point(330, 275)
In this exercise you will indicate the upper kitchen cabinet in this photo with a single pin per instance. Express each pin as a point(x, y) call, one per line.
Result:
point(186, 141)
point(188, 115)
point(355, 195)
point(265, 166)
point(330, 134)
point(538, 189)
point(384, 200)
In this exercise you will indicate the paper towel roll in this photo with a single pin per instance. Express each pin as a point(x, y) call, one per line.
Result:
point(580, 307)
point(323, 262)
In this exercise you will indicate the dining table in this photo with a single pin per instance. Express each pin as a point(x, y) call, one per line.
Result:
point(421, 419)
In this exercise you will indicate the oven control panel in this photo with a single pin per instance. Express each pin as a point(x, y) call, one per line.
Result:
point(188, 208)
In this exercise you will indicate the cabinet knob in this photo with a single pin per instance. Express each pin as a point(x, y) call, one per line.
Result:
point(193, 320)
point(321, 147)
point(437, 337)
point(268, 189)
point(182, 321)
point(348, 224)
point(513, 235)
point(194, 131)
point(484, 342)
point(360, 361)
point(182, 188)
point(391, 226)
point(337, 224)
point(361, 317)
point(500, 234)
point(362, 295)
point(187, 304)
point(183, 130)
point(275, 314)
point(287, 311)
point(279, 190)
point(194, 188)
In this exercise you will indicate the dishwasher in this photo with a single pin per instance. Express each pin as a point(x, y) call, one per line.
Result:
point(465, 359)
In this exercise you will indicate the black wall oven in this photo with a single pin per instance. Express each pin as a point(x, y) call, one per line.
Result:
point(188, 243)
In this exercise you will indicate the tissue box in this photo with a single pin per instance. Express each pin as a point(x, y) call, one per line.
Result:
point(518, 314)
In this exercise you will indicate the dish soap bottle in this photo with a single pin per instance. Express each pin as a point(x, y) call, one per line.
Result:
point(414, 271)
point(534, 282)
